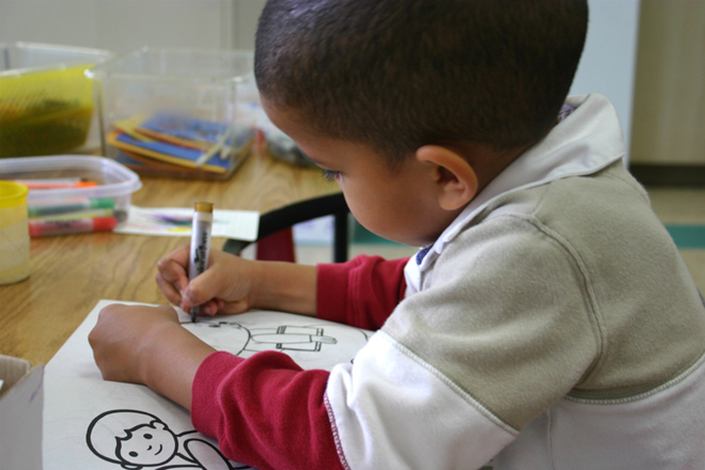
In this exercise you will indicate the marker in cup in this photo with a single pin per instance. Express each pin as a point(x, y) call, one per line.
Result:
point(200, 244)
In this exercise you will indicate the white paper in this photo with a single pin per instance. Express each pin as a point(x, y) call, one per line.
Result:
point(95, 425)
point(176, 222)
point(76, 397)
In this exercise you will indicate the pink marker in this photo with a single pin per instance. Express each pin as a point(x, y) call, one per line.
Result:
point(40, 228)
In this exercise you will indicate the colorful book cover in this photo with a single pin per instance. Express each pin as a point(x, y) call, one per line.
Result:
point(170, 153)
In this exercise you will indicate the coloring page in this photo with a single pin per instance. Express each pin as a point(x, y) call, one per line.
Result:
point(101, 425)
point(93, 424)
point(176, 222)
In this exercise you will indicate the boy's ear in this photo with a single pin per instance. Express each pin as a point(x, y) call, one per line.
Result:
point(455, 179)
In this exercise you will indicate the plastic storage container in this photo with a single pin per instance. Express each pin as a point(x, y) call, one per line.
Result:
point(46, 99)
point(178, 112)
point(71, 188)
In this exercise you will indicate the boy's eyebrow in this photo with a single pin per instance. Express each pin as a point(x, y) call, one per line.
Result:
point(310, 159)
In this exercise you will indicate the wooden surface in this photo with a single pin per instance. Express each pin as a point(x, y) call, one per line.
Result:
point(71, 273)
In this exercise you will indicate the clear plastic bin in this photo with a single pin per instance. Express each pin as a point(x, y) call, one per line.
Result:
point(46, 99)
point(114, 185)
point(178, 112)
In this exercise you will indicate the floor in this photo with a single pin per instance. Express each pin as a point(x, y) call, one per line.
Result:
point(683, 213)
point(682, 210)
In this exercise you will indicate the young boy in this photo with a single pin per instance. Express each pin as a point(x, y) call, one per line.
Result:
point(547, 322)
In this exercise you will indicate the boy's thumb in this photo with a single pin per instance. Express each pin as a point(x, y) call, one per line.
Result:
point(200, 289)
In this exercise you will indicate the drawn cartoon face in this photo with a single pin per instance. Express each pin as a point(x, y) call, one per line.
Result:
point(147, 444)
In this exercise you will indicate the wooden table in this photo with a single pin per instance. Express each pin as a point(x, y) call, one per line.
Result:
point(70, 273)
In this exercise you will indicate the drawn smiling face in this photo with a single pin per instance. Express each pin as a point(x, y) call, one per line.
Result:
point(147, 444)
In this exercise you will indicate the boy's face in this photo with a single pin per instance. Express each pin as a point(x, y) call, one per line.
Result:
point(398, 204)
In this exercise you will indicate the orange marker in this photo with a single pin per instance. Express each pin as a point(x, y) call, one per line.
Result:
point(56, 183)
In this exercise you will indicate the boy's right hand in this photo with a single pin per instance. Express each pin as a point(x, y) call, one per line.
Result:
point(225, 287)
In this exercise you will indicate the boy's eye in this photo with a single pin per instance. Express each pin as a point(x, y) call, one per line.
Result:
point(330, 175)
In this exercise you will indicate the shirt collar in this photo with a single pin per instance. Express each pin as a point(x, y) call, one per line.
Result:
point(586, 139)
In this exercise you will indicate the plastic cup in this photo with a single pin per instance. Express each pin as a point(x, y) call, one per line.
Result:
point(14, 232)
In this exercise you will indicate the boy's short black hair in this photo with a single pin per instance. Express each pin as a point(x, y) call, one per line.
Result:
point(400, 74)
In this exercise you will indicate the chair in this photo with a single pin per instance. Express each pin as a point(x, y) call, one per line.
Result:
point(275, 237)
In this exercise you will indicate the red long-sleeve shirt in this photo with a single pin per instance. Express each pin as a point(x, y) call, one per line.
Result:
point(268, 412)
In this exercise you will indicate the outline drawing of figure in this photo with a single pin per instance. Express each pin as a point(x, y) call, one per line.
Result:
point(280, 338)
point(136, 439)
point(243, 341)
point(311, 345)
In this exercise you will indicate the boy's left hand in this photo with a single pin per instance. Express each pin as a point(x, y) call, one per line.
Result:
point(147, 345)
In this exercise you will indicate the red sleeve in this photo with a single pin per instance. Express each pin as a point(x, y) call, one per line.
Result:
point(362, 292)
point(265, 411)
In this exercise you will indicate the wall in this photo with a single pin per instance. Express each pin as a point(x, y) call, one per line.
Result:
point(126, 25)
point(609, 58)
point(669, 101)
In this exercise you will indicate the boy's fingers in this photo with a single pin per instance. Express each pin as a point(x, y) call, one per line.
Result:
point(172, 294)
point(238, 306)
point(206, 287)
point(194, 294)
point(172, 271)
point(209, 308)
point(178, 257)
point(172, 279)
point(181, 254)
point(170, 268)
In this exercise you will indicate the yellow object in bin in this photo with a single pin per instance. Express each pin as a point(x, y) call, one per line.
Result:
point(45, 112)
point(46, 99)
